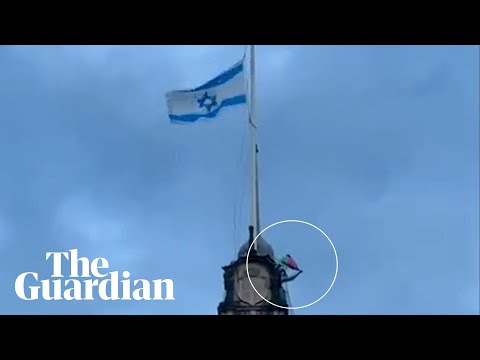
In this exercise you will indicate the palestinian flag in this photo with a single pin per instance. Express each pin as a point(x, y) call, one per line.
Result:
point(289, 262)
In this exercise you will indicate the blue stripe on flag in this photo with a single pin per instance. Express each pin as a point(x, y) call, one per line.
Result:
point(236, 100)
point(221, 79)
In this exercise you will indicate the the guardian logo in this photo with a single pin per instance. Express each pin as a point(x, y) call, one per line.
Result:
point(93, 283)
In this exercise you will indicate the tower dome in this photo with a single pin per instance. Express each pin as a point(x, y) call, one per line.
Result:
point(263, 248)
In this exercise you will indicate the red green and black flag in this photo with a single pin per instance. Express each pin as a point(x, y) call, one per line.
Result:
point(289, 262)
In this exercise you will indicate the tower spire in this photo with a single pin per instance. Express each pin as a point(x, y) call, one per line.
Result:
point(257, 192)
point(255, 206)
point(260, 246)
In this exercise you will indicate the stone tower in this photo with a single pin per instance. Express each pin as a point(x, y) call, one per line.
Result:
point(240, 297)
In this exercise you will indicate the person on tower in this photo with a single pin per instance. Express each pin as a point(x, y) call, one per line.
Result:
point(288, 262)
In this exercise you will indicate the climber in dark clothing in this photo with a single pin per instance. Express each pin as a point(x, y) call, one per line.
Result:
point(287, 262)
point(285, 278)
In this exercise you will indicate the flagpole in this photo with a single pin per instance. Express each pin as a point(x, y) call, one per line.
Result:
point(255, 221)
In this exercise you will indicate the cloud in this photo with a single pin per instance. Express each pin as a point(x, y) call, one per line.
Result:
point(377, 145)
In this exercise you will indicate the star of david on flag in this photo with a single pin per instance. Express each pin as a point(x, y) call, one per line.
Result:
point(207, 101)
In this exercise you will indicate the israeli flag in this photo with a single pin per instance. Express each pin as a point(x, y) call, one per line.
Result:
point(206, 101)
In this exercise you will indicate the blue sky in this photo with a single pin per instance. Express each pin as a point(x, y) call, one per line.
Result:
point(376, 145)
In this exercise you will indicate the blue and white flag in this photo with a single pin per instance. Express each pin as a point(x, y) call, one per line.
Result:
point(206, 101)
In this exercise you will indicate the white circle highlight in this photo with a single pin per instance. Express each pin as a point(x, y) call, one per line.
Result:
point(293, 307)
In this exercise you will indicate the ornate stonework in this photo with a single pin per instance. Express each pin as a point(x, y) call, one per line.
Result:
point(242, 299)
point(260, 279)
